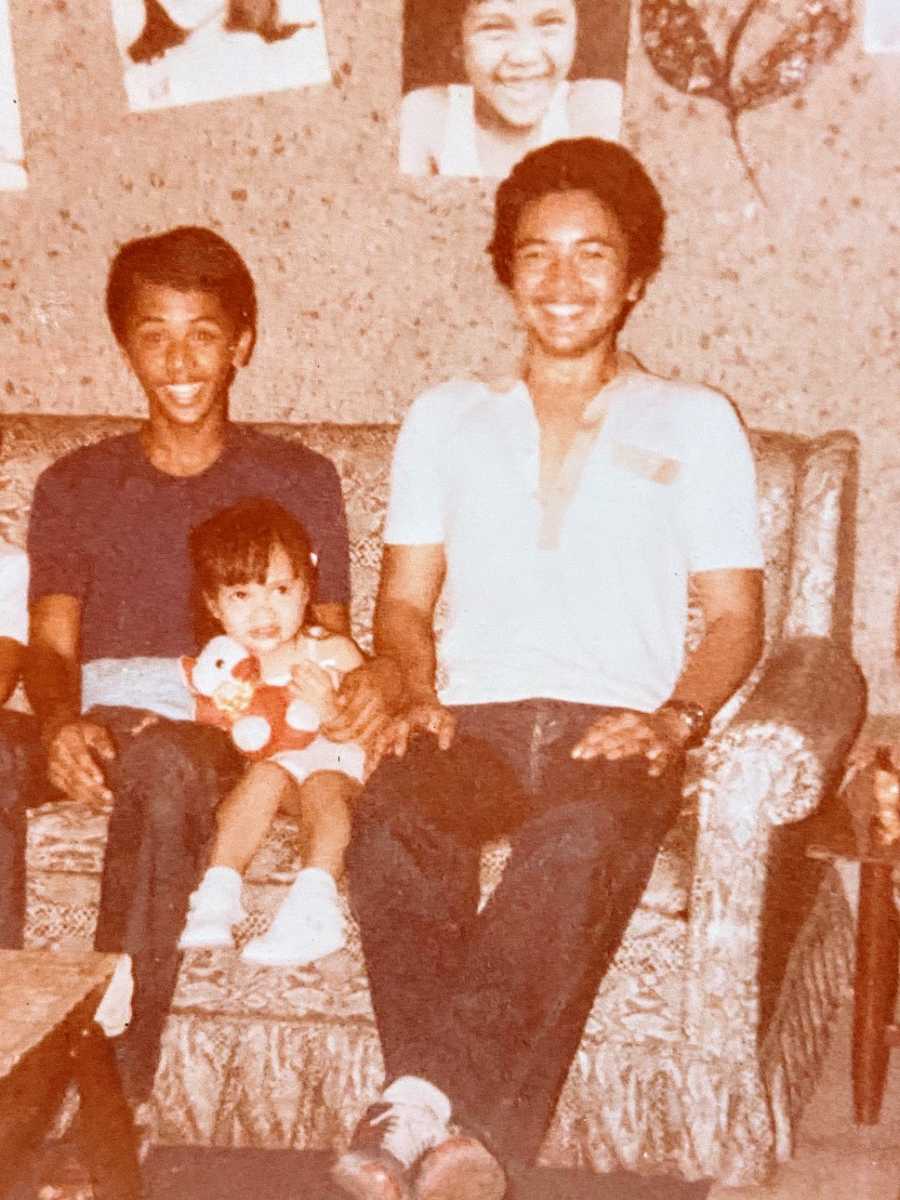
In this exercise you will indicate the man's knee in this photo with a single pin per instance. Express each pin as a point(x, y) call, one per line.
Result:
point(172, 768)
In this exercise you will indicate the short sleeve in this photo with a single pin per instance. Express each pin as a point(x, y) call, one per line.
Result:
point(330, 540)
point(719, 506)
point(416, 508)
point(14, 594)
point(60, 562)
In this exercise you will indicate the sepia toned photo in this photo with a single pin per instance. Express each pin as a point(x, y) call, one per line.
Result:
point(12, 166)
point(178, 52)
point(485, 81)
point(450, 621)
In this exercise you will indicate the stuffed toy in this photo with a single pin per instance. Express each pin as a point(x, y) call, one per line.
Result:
point(262, 718)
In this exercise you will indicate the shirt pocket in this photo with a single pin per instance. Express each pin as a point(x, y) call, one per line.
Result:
point(648, 465)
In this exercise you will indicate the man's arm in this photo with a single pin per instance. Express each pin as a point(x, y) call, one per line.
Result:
point(411, 581)
point(732, 604)
point(402, 671)
point(12, 654)
point(53, 685)
point(333, 617)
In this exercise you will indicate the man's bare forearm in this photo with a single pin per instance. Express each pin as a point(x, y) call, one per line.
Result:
point(404, 635)
point(725, 657)
point(53, 686)
point(11, 657)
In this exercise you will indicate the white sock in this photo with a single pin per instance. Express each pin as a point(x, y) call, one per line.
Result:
point(413, 1089)
point(224, 880)
point(315, 879)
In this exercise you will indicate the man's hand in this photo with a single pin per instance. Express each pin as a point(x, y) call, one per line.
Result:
point(74, 754)
point(657, 737)
point(367, 699)
point(424, 713)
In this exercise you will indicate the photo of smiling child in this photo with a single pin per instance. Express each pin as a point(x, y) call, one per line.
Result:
point(190, 51)
point(486, 81)
point(12, 166)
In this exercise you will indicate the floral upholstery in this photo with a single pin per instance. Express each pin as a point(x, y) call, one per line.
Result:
point(677, 1070)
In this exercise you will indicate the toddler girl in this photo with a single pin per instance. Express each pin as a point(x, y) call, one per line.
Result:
point(517, 55)
point(254, 576)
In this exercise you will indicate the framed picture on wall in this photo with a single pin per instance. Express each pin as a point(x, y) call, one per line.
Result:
point(485, 81)
point(881, 27)
point(191, 51)
point(12, 164)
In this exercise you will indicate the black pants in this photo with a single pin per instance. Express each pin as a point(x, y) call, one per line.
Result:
point(21, 778)
point(167, 781)
point(491, 1007)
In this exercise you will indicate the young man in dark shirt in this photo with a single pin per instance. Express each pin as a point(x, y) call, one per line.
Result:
point(110, 580)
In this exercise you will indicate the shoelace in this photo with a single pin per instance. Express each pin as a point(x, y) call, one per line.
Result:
point(411, 1129)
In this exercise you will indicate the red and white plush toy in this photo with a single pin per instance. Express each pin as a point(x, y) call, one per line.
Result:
point(262, 718)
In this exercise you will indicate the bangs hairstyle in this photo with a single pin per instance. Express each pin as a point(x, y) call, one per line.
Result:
point(235, 547)
point(188, 259)
point(606, 170)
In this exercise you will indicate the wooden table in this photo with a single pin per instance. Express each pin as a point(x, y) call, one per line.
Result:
point(47, 1039)
point(847, 830)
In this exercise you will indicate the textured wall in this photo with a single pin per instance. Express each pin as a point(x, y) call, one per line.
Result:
point(373, 285)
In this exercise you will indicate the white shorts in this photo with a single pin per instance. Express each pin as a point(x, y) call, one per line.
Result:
point(323, 755)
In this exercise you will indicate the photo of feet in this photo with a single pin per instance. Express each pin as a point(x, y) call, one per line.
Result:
point(177, 52)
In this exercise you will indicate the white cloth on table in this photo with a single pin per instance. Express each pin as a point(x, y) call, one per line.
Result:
point(114, 1010)
point(13, 593)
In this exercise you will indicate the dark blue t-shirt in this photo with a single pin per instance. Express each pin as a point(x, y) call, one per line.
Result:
point(110, 529)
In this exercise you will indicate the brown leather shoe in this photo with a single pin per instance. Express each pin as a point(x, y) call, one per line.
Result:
point(459, 1168)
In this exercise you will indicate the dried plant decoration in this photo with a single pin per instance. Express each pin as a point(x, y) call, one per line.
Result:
point(808, 33)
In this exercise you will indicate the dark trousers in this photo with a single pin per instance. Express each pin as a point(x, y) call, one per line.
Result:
point(167, 781)
point(21, 777)
point(491, 1007)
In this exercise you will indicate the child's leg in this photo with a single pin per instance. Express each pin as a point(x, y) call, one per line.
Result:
point(321, 808)
point(310, 923)
point(245, 815)
point(243, 819)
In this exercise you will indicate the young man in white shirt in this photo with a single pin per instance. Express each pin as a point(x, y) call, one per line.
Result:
point(21, 759)
point(563, 518)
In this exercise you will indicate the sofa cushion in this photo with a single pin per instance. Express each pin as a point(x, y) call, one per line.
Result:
point(66, 844)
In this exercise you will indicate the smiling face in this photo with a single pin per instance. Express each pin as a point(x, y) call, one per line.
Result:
point(183, 348)
point(570, 278)
point(516, 52)
point(263, 616)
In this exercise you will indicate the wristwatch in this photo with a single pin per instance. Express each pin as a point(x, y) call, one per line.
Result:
point(693, 717)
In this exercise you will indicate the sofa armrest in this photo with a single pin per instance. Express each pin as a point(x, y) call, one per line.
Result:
point(801, 719)
point(771, 765)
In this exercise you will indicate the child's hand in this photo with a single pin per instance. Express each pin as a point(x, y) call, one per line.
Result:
point(312, 684)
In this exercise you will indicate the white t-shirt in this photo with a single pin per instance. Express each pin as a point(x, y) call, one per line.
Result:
point(13, 593)
point(585, 600)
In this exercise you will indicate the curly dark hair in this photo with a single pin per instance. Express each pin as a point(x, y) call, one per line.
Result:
point(606, 170)
point(187, 258)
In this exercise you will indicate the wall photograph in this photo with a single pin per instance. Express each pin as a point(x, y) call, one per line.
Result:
point(189, 51)
point(12, 159)
point(485, 81)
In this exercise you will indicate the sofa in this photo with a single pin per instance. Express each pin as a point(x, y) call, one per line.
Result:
point(707, 1034)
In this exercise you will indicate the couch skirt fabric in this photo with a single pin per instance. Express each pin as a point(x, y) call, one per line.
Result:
point(290, 1058)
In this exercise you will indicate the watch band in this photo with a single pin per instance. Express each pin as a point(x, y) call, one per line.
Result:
point(694, 717)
